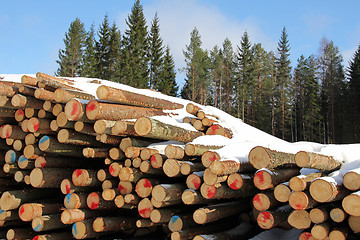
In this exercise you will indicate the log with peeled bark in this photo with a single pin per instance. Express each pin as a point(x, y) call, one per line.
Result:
point(262, 157)
point(302, 182)
point(328, 189)
point(28, 211)
point(14, 198)
point(199, 149)
point(192, 108)
point(265, 200)
point(273, 218)
point(265, 178)
point(108, 111)
point(168, 192)
point(54, 82)
point(75, 200)
point(212, 213)
point(123, 127)
point(28, 80)
point(43, 94)
point(47, 223)
point(224, 167)
point(302, 200)
point(112, 224)
point(282, 192)
point(242, 231)
point(62, 95)
point(75, 110)
point(21, 101)
point(50, 144)
point(351, 179)
point(299, 219)
point(223, 191)
point(48, 177)
point(7, 90)
point(151, 128)
point(321, 230)
point(318, 161)
point(217, 129)
point(351, 204)
point(135, 99)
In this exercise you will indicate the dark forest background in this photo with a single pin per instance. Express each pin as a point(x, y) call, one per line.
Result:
point(318, 100)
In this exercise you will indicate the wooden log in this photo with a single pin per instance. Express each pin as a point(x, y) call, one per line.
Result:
point(83, 127)
point(43, 94)
point(144, 187)
point(157, 160)
point(199, 126)
point(192, 108)
point(339, 232)
point(30, 112)
point(8, 90)
point(54, 82)
point(19, 115)
point(198, 149)
point(7, 113)
point(265, 179)
point(44, 114)
point(18, 145)
point(102, 126)
point(351, 204)
point(100, 110)
point(172, 167)
point(130, 98)
point(48, 177)
point(109, 183)
point(351, 179)
point(11, 156)
point(28, 80)
point(85, 177)
point(321, 230)
point(165, 204)
point(270, 219)
point(319, 214)
point(338, 215)
point(208, 157)
point(92, 152)
point(225, 167)
point(146, 153)
point(47, 223)
point(134, 142)
point(354, 223)
point(115, 168)
point(217, 129)
point(306, 236)
point(302, 182)
point(109, 139)
point(14, 198)
point(188, 167)
point(181, 221)
point(146, 167)
point(20, 233)
point(75, 200)
point(125, 187)
point(242, 231)
point(24, 125)
point(112, 224)
point(116, 154)
point(69, 136)
point(194, 180)
point(299, 219)
point(223, 191)
point(212, 213)
point(62, 95)
point(13, 132)
point(63, 122)
point(152, 128)
point(192, 197)
point(50, 144)
point(30, 139)
point(145, 207)
point(302, 200)
point(282, 192)
point(317, 161)
point(123, 128)
point(40, 126)
point(83, 229)
point(58, 162)
point(132, 152)
point(54, 236)
point(25, 163)
point(264, 201)
point(28, 211)
point(208, 121)
point(168, 192)
point(327, 189)
point(26, 90)
point(21, 101)
point(110, 194)
point(94, 201)
point(212, 179)
point(132, 199)
point(163, 215)
point(57, 109)
point(67, 187)
point(262, 157)
point(75, 110)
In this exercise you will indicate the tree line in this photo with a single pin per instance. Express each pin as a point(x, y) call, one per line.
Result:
point(318, 100)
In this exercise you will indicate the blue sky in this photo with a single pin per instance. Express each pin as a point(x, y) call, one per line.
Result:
point(32, 32)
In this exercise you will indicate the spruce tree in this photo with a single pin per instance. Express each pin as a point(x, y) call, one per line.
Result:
point(283, 80)
point(89, 59)
point(354, 96)
point(103, 50)
point(167, 74)
point(156, 53)
point(114, 53)
point(134, 60)
point(70, 58)
point(216, 75)
point(228, 72)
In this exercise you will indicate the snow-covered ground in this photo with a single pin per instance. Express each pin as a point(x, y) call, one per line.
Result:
point(245, 137)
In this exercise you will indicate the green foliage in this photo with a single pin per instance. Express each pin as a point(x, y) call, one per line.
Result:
point(167, 74)
point(70, 58)
point(89, 58)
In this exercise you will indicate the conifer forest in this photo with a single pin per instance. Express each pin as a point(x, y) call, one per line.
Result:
point(316, 99)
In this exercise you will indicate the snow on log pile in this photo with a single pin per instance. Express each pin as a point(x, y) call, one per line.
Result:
point(88, 158)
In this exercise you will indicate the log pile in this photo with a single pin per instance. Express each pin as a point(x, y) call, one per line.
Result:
point(76, 165)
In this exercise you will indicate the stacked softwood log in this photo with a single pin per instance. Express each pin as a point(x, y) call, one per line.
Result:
point(81, 166)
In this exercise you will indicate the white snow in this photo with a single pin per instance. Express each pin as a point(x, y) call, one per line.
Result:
point(244, 138)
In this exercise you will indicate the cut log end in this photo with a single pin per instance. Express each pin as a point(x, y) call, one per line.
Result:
point(200, 216)
point(261, 202)
point(299, 219)
point(143, 126)
point(282, 193)
point(321, 190)
point(302, 159)
point(351, 204)
point(92, 109)
point(98, 224)
point(259, 157)
point(265, 220)
point(36, 178)
point(352, 181)
point(102, 92)
point(262, 180)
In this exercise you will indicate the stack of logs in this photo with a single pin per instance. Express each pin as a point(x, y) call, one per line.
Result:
point(82, 166)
